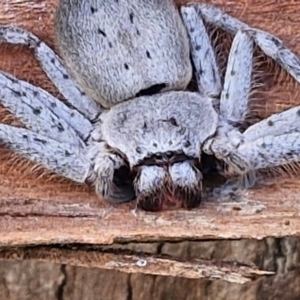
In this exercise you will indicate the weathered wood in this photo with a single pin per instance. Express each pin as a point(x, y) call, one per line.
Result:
point(39, 210)
point(129, 262)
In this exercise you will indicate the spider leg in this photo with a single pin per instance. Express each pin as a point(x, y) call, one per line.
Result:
point(269, 44)
point(58, 157)
point(95, 165)
point(234, 97)
point(54, 69)
point(42, 112)
point(207, 72)
point(271, 151)
point(277, 124)
point(273, 141)
point(269, 143)
point(234, 104)
point(234, 101)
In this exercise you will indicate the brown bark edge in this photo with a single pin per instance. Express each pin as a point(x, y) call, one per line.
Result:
point(45, 210)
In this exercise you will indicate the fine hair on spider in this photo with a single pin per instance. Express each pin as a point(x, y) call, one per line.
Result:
point(131, 129)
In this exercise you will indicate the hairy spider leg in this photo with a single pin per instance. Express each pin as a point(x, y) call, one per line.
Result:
point(53, 68)
point(203, 56)
point(269, 44)
point(55, 134)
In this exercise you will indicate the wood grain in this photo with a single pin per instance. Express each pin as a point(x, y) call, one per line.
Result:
point(39, 209)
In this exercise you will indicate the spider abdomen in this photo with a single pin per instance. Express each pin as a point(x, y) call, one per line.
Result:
point(117, 50)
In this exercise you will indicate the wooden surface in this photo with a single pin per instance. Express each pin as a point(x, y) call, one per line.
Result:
point(38, 209)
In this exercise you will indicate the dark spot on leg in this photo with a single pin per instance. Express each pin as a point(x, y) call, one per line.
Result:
point(206, 54)
point(276, 41)
point(17, 93)
point(35, 93)
point(148, 54)
point(214, 74)
point(40, 141)
point(131, 16)
point(110, 45)
point(187, 144)
point(66, 76)
point(67, 153)
point(263, 145)
point(145, 125)
point(36, 111)
point(53, 105)
point(232, 73)
point(155, 145)
point(60, 127)
point(200, 72)
point(101, 32)
point(52, 60)
point(270, 123)
point(173, 122)
point(35, 43)
point(24, 136)
point(82, 93)
point(192, 29)
point(126, 66)
point(261, 155)
point(93, 10)
point(198, 47)
point(138, 32)
point(138, 150)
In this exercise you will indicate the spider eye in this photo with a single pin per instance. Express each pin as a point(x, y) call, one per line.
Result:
point(154, 89)
point(169, 154)
point(158, 156)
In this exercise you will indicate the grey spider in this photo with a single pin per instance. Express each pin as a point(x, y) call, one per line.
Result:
point(130, 129)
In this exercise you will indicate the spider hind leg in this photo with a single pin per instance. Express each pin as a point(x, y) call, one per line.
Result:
point(54, 69)
point(269, 44)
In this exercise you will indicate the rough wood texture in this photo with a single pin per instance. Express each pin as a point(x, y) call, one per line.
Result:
point(146, 264)
point(36, 209)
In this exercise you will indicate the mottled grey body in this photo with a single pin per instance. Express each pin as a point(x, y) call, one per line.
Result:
point(128, 130)
point(137, 44)
point(160, 125)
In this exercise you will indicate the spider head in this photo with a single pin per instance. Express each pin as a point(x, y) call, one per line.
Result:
point(160, 137)
point(168, 180)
